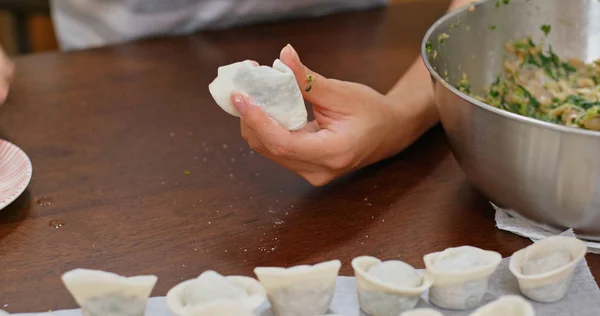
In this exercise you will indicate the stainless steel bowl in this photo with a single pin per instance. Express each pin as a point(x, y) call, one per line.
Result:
point(549, 174)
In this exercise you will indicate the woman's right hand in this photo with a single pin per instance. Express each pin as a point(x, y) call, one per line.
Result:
point(7, 72)
point(354, 126)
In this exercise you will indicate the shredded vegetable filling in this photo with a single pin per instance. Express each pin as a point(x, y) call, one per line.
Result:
point(540, 85)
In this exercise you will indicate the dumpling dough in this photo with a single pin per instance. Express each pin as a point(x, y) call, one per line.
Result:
point(396, 273)
point(552, 261)
point(300, 290)
point(460, 261)
point(387, 288)
point(209, 287)
point(105, 293)
point(545, 269)
point(273, 88)
point(460, 276)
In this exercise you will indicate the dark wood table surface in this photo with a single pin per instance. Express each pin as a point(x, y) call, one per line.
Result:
point(111, 132)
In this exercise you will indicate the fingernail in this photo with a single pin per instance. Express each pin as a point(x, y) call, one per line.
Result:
point(283, 55)
point(239, 103)
point(293, 50)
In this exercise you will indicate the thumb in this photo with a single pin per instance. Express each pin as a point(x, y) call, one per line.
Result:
point(316, 89)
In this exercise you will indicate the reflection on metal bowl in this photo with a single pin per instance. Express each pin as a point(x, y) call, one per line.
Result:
point(547, 173)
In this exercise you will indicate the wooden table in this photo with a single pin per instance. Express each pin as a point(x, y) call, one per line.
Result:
point(111, 131)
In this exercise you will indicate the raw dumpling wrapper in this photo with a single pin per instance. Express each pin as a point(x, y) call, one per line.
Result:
point(273, 89)
point(387, 288)
point(109, 294)
point(4, 313)
point(211, 287)
point(219, 308)
point(422, 312)
point(301, 290)
point(460, 276)
point(545, 268)
point(509, 305)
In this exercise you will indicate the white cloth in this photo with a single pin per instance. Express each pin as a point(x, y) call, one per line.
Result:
point(90, 23)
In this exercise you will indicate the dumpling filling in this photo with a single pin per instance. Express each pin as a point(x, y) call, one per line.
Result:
point(540, 85)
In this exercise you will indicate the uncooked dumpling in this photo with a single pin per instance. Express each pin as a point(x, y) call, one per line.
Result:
point(509, 305)
point(109, 294)
point(545, 268)
point(460, 276)
point(211, 287)
point(301, 290)
point(272, 88)
point(387, 288)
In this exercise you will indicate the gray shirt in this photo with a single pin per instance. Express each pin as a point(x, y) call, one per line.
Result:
point(83, 24)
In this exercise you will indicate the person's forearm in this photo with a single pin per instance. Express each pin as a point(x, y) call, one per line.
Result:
point(413, 100)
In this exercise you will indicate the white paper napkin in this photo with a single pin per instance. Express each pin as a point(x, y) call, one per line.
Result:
point(511, 221)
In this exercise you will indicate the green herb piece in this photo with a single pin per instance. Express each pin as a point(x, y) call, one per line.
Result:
point(492, 27)
point(546, 28)
point(428, 47)
point(497, 3)
point(186, 172)
point(443, 37)
point(463, 85)
point(309, 79)
point(506, 2)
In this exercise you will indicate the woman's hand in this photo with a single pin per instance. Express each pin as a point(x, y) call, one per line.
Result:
point(354, 126)
point(7, 70)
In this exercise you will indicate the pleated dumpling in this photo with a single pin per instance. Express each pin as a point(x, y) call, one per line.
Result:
point(544, 269)
point(274, 89)
point(301, 290)
point(509, 305)
point(387, 288)
point(109, 294)
point(460, 276)
point(211, 287)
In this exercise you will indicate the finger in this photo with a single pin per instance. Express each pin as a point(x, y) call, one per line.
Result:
point(315, 88)
point(311, 172)
point(9, 72)
point(7, 68)
point(276, 139)
point(311, 127)
point(3, 92)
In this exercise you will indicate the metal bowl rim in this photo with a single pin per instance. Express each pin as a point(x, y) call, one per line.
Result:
point(485, 106)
